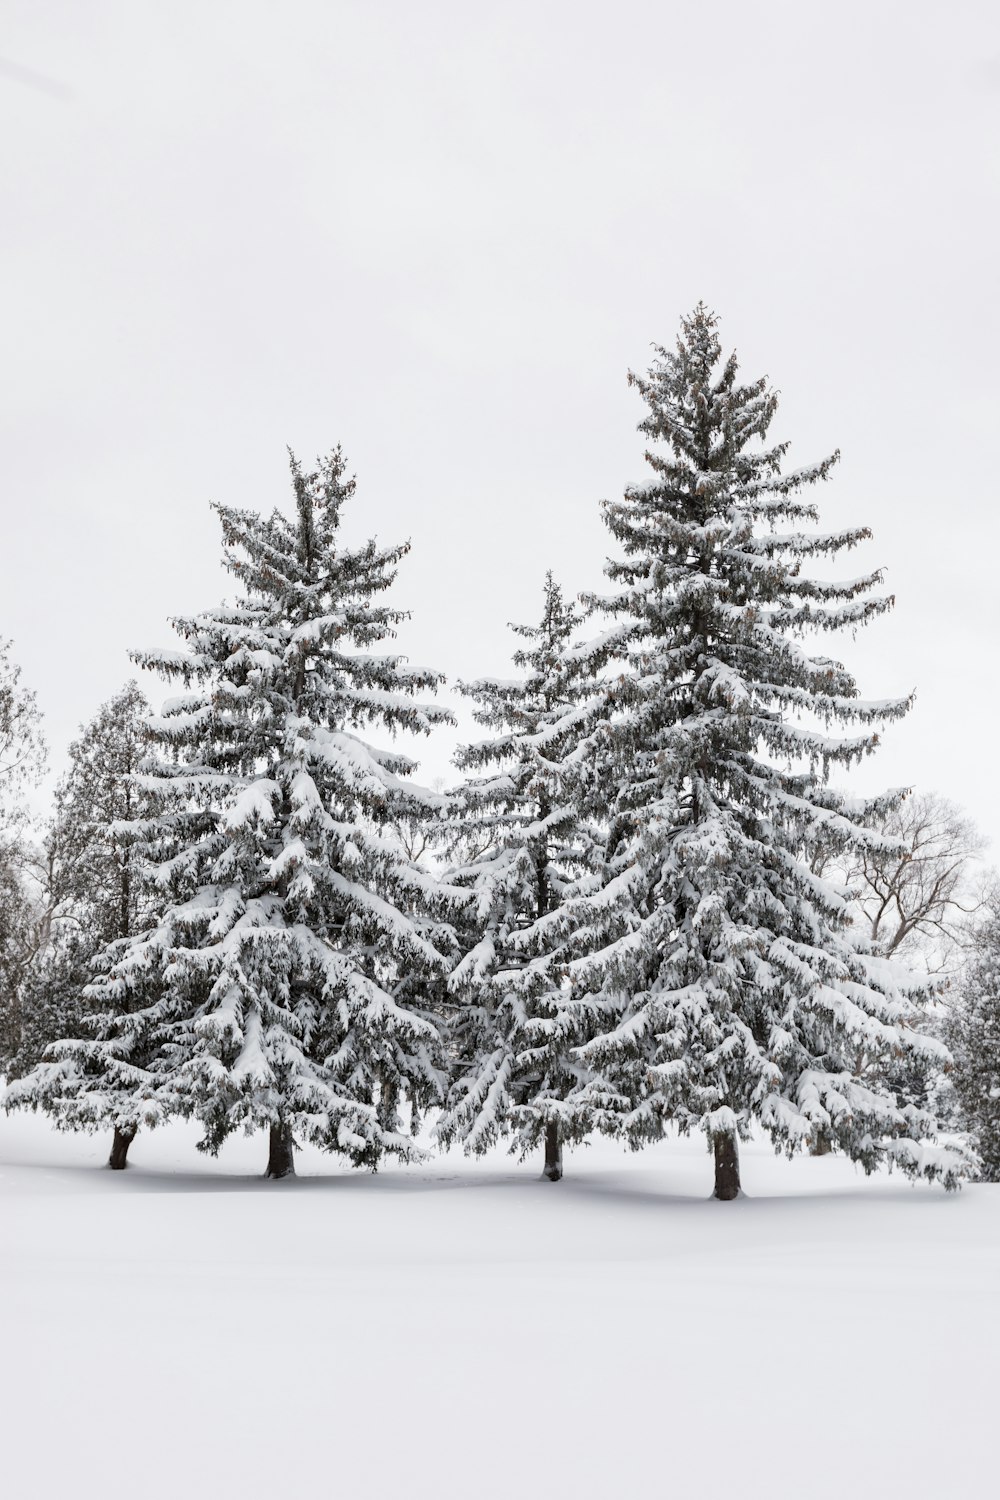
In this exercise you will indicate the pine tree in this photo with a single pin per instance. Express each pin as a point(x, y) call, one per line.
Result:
point(515, 1071)
point(276, 987)
point(94, 891)
point(102, 789)
point(973, 1034)
point(723, 982)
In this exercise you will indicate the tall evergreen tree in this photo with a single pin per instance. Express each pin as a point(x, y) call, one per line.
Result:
point(92, 882)
point(102, 790)
point(515, 1070)
point(277, 986)
point(723, 981)
point(973, 1033)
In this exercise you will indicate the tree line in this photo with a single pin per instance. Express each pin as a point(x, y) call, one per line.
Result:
point(645, 907)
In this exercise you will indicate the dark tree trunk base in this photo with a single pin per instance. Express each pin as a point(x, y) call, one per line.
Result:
point(727, 1167)
point(281, 1155)
point(118, 1160)
point(553, 1152)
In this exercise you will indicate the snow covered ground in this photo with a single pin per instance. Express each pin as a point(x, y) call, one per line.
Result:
point(466, 1331)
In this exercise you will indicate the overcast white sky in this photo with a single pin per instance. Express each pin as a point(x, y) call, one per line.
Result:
point(440, 233)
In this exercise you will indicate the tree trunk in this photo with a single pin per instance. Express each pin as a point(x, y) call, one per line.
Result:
point(727, 1166)
point(281, 1156)
point(821, 1144)
point(553, 1152)
point(117, 1161)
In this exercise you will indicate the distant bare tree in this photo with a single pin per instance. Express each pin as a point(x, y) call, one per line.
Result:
point(22, 749)
point(420, 834)
point(415, 835)
point(917, 899)
point(915, 896)
point(920, 899)
point(22, 761)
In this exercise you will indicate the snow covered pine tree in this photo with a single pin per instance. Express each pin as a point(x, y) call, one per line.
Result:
point(973, 1033)
point(723, 982)
point(514, 1068)
point(94, 889)
point(274, 988)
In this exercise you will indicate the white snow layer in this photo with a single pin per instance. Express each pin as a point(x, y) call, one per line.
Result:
point(465, 1329)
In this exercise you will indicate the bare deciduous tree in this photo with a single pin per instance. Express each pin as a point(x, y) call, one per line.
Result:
point(22, 760)
point(914, 896)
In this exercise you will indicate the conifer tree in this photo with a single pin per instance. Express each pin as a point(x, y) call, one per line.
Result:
point(99, 870)
point(514, 1070)
point(723, 982)
point(973, 1033)
point(93, 885)
point(276, 987)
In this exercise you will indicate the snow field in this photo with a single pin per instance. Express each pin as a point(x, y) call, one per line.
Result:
point(465, 1331)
